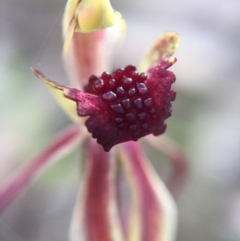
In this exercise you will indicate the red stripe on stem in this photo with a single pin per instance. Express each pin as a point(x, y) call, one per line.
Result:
point(150, 210)
point(99, 194)
point(154, 209)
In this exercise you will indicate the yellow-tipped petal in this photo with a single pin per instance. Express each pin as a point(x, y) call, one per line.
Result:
point(86, 16)
point(162, 50)
point(94, 15)
point(69, 106)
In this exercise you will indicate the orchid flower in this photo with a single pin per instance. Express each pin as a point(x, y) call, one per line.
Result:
point(117, 108)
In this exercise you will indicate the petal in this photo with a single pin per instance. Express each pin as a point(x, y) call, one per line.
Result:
point(94, 15)
point(161, 51)
point(88, 15)
point(178, 159)
point(91, 53)
point(24, 178)
point(95, 215)
point(57, 90)
point(153, 215)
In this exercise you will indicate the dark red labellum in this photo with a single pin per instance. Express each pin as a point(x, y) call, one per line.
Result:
point(126, 105)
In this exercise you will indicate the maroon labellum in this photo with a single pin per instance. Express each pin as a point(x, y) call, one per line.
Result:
point(126, 105)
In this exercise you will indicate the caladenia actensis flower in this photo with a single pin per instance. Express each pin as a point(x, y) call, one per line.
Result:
point(117, 108)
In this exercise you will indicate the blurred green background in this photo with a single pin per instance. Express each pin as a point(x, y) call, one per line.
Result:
point(205, 118)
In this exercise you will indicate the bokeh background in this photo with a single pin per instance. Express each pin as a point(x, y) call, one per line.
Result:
point(205, 121)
